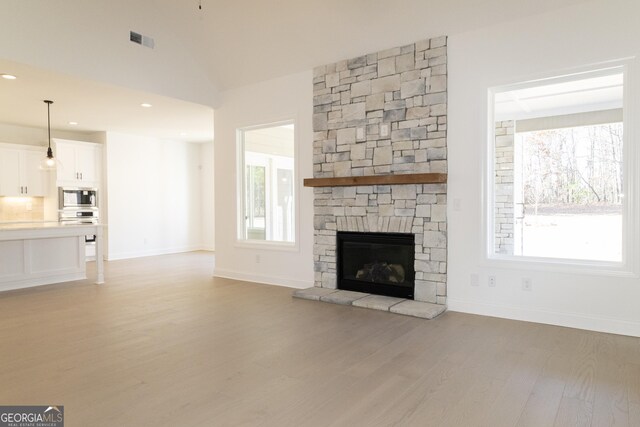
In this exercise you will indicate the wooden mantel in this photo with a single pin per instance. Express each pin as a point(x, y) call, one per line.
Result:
point(410, 178)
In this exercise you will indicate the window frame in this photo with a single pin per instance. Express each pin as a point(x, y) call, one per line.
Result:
point(241, 239)
point(628, 267)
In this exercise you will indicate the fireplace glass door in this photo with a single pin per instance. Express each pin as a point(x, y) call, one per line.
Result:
point(376, 263)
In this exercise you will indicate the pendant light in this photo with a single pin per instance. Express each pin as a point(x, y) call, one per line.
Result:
point(49, 162)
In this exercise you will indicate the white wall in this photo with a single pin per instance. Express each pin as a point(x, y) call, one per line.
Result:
point(274, 100)
point(207, 194)
point(518, 51)
point(91, 40)
point(154, 196)
point(26, 135)
point(529, 48)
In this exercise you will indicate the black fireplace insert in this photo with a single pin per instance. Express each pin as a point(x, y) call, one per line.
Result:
point(376, 263)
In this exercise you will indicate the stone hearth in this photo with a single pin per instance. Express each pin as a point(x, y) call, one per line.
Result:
point(420, 309)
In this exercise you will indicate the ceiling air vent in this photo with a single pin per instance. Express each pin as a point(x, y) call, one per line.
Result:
point(135, 37)
point(141, 39)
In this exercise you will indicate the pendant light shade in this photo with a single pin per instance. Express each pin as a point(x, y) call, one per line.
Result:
point(49, 162)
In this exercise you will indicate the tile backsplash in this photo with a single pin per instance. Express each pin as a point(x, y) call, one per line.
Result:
point(21, 208)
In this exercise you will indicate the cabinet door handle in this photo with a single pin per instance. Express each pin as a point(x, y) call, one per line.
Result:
point(26, 190)
point(80, 176)
point(21, 189)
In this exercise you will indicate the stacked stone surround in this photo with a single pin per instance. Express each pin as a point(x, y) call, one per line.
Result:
point(504, 187)
point(380, 114)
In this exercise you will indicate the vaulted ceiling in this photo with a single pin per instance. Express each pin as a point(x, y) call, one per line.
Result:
point(243, 41)
point(226, 44)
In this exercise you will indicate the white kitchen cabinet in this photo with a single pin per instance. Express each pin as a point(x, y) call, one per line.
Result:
point(87, 162)
point(66, 168)
point(79, 163)
point(20, 173)
point(35, 179)
point(10, 172)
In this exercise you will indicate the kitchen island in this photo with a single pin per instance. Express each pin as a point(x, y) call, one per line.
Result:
point(41, 253)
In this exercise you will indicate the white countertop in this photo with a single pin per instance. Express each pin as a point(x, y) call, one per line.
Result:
point(40, 225)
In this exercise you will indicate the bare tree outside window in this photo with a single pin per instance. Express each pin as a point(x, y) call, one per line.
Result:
point(571, 192)
point(558, 175)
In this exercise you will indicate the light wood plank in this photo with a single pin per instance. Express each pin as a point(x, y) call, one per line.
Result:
point(511, 400)
point(163, 343)
point(632, 380)
point(611, 402)
point(574, 413)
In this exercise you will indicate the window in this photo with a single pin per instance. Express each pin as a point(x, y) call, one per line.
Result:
point(558, 168)
point(267, 203)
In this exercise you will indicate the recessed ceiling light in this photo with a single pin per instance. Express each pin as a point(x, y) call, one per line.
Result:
point(145, 105)
point(8, 76)
point(73, 123)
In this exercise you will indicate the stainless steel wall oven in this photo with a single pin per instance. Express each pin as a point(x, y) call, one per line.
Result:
point(77, 198)
point(78, 206)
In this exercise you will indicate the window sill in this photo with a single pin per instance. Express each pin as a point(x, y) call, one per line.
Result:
point(557, 265)
point(270, 245)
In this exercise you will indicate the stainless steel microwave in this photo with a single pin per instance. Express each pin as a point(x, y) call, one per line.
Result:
point(77, 197)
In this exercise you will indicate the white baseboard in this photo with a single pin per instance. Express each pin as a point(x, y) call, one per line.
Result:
point(151, 252)
point(570, 320)
point(41, 281)
point(258, 278)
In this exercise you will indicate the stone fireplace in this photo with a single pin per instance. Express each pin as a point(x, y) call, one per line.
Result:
point(378, 115)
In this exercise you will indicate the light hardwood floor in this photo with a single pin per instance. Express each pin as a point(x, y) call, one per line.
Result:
point(165, 344)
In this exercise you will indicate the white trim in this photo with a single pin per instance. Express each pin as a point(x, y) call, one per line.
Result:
point(567, 73)
point(267, 244)
point(488, 183)
point(152, 252)
point(263, 279)
point(631, 165)
point(239, 190)
point(76, 142)
point(631, 155)
point(12, 146)
point(549, 317)
point(558, 265)
point(41, 281)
